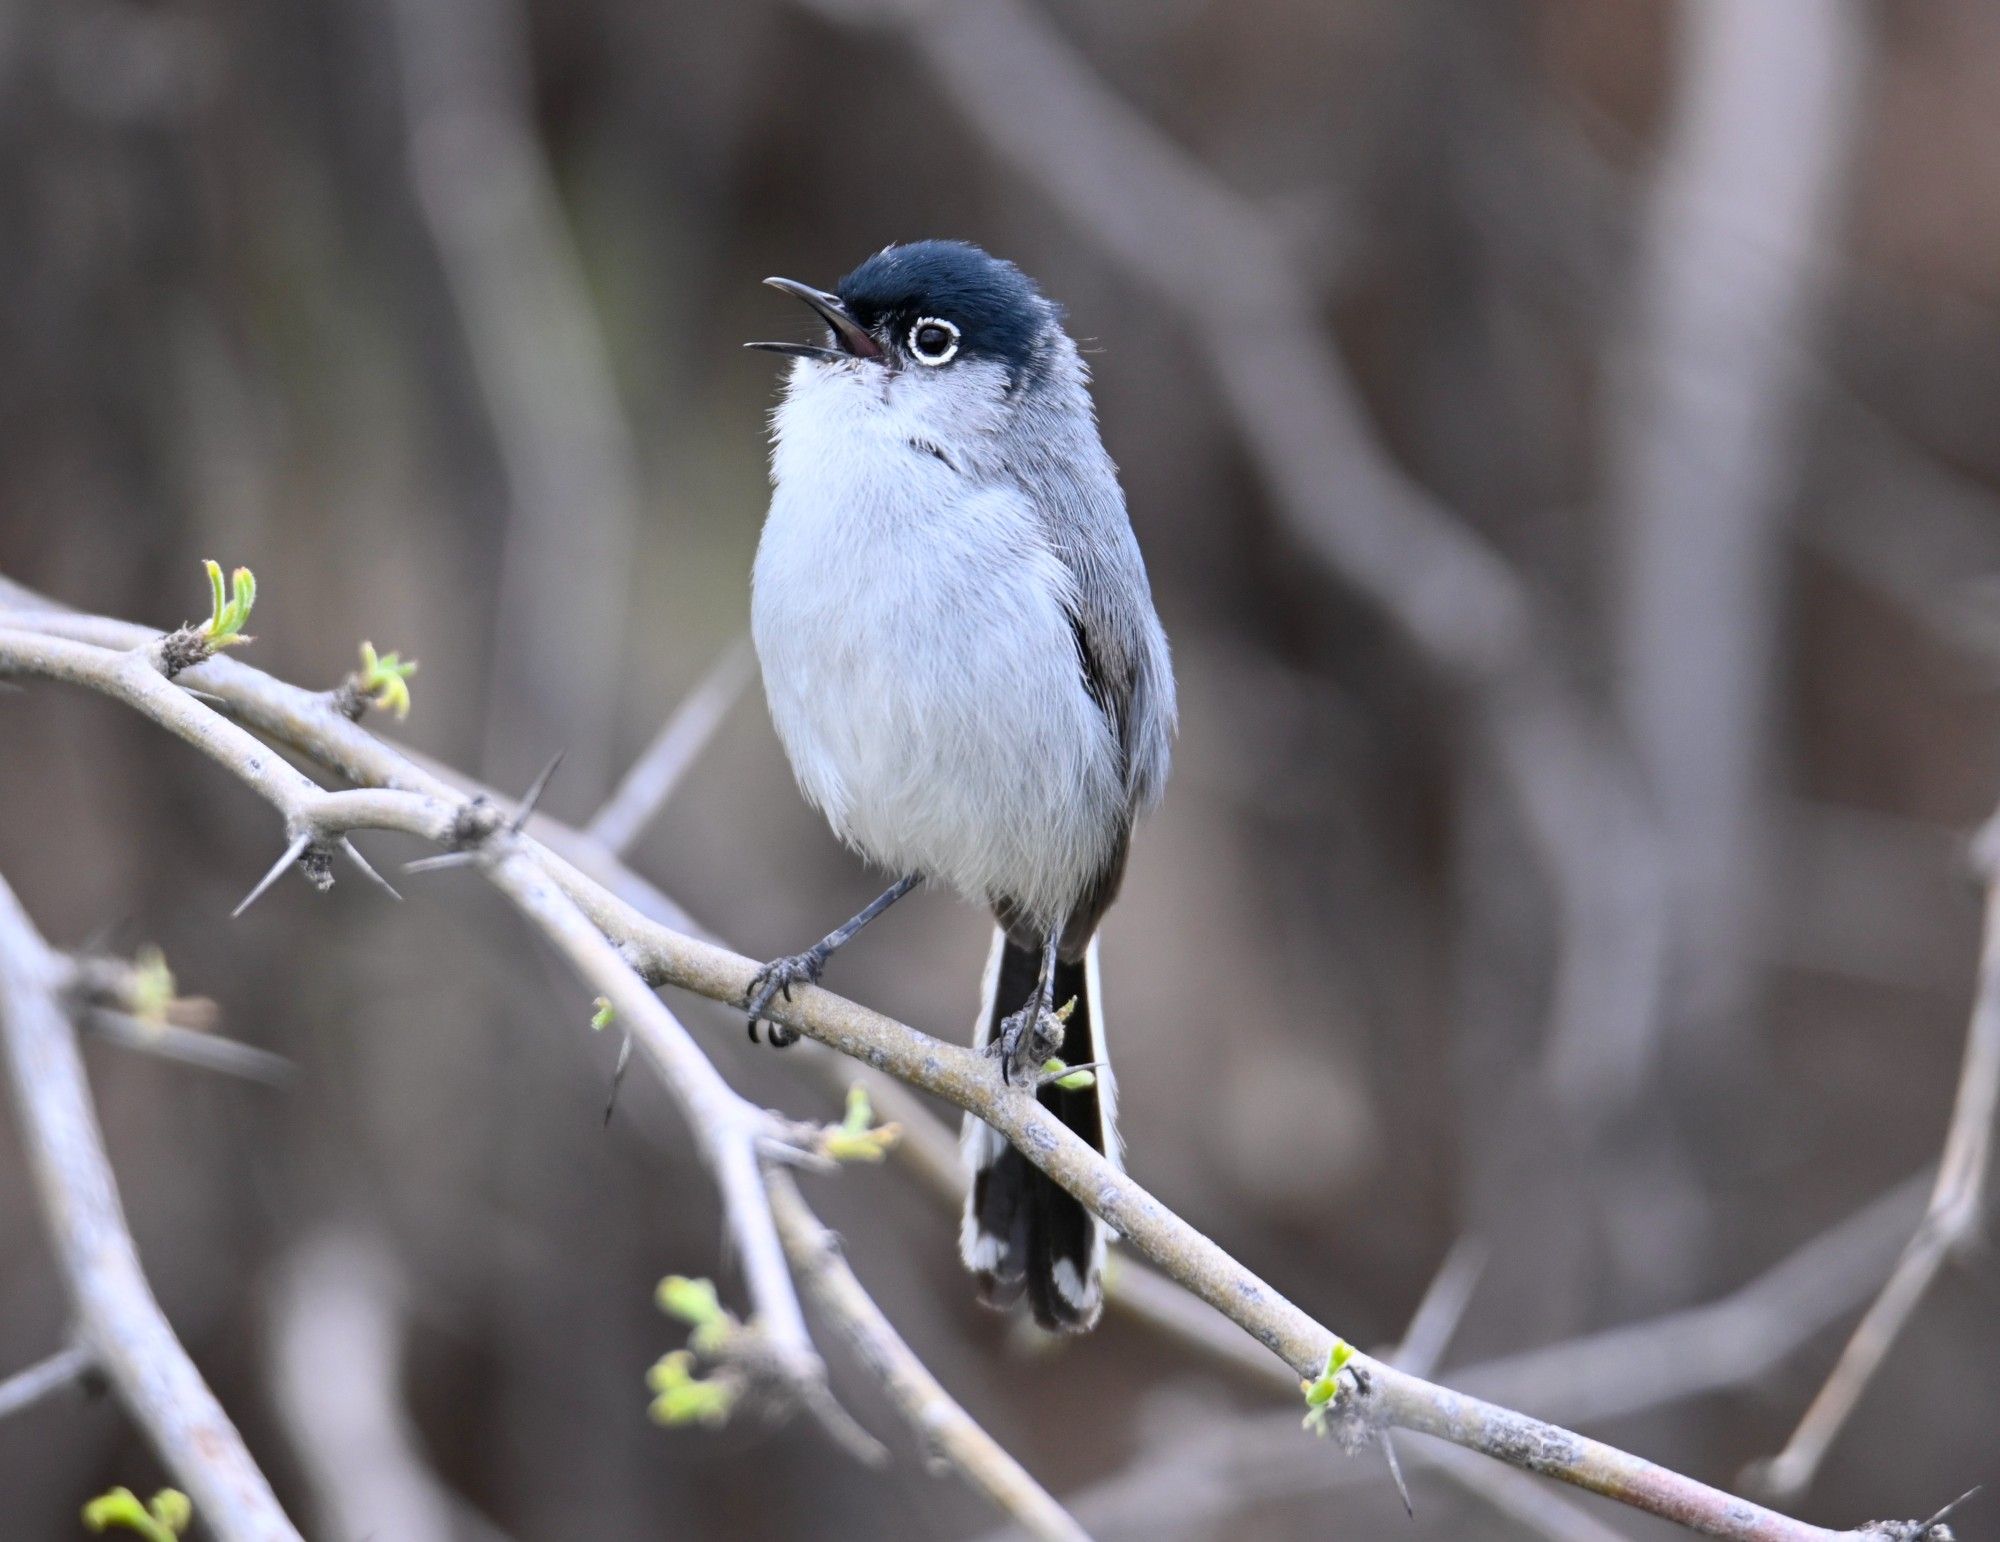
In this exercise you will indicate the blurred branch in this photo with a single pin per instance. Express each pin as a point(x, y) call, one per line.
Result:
point(187, 1046)
point(338, 1338)
point(1704, 453)
point(523, 300)
point(1216, 259)
point(948, 1434)
point(26, 1388)
point(1952, 1223)
point(644, 790)
point(1700, 1350)
point(620, 952)
point(119, 1324)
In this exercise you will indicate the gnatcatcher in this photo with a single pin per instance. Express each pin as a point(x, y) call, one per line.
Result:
point(962, 659)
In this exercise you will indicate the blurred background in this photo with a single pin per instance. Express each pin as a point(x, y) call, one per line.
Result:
point(1565, 439)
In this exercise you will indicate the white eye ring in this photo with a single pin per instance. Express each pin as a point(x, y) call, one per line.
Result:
point(933, 359)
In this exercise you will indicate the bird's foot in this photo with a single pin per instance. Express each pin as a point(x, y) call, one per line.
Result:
point(777, 979)
point(1026, 1040)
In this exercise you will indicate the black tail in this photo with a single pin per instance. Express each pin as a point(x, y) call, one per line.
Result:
point(1023, 1233)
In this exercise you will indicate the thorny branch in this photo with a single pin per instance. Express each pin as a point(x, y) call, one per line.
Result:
point(119, 1325)
point(739, 1141)
point(622, 952)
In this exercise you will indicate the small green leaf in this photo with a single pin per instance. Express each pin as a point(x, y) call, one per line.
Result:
point(229, 606)
point(694, 1302)
point(163, 1521)
point(681, 1397)
point(601, 1018)
point(384, 678)
point(857, 1138)
point(173, 1510)
point(1323, 1391)
point(1054, 1067)
point(152, 986)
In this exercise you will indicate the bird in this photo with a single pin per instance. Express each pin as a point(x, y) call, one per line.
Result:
point(963, 662)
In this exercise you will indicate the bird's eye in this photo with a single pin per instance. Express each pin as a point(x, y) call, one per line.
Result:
point(933, 340)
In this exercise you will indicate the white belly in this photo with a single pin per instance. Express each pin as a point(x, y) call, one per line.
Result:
point(922, 674)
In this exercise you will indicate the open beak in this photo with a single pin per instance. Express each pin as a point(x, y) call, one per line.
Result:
point(855, 343)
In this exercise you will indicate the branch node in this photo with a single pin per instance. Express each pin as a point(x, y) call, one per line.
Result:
point(181, 649)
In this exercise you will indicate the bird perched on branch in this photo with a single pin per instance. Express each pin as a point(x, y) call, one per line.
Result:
point(962, 659)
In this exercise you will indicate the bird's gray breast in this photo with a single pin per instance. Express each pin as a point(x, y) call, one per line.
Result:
point(919, 654)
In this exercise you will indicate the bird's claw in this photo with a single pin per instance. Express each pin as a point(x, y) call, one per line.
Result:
point(1026, 1040)
point(777, 979)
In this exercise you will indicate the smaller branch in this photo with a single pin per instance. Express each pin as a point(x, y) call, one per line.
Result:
point(188, 1046)
point(119, 1324)
point(338, 1340)
point(730, 1130)
point(1951, 1223)
point(26, 1388)
point(1442, 1308)
point(638, 799)
point(948, 1433)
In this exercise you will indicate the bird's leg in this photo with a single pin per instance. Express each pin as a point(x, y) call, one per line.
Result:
point(781, 974)
point(1028, 1037)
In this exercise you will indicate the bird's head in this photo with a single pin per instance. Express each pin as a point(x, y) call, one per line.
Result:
point(937, 329)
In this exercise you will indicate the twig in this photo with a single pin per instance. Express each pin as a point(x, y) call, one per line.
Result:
point(188, 1046)
point(26, 1388)
point(1951, 1224)
point(119, 1324)
point(337, 1334)
point(1441, 1308)
point(637, 800)
point(1726, 1343)
point(1215, 258)
point(607, 940)
point(730, 1131)
point(945, 1430)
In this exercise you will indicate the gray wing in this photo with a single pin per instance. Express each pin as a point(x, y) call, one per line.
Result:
point(1121, 650)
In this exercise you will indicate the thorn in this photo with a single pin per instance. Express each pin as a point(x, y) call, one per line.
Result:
point(534, 794)
point(1948, 1511)
point(1396, 1472)
point(292, 854)
point(618, 1076)
point(368, 872)
point(206, 698)
point(440, 861)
